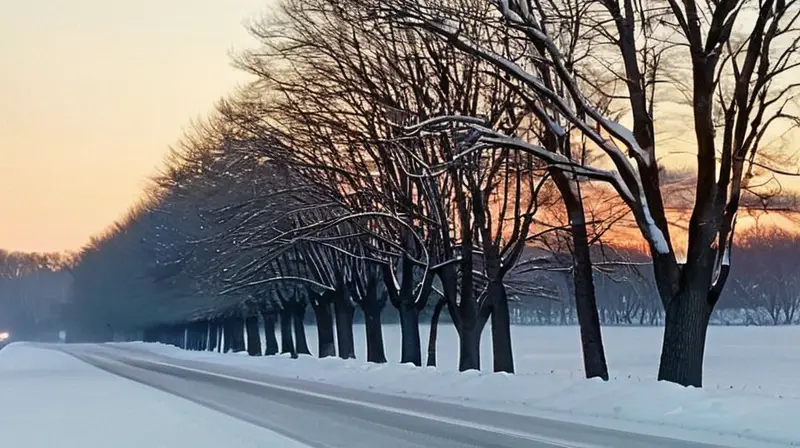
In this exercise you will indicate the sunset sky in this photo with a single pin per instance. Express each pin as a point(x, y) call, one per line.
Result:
point(92, 93)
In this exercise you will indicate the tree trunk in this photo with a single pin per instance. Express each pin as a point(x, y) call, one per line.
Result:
point(685, 328)
point(220, 336)
point(212, 336)
point(253, 335)
point(176, 333)
point(411, 350)
point(434, 331)
point(374, 333)
point(270, 340)
point(226, 335)
point(372, 307)
point(469, 356)
point(203, 333)
point(594, 357)
point(189, 340)
point(503, 355)
point(345, 311)
point(287, 342)
point(182, 333)
point(324, 317)
point(196, 335)
point(298, 317)
point(235, 332)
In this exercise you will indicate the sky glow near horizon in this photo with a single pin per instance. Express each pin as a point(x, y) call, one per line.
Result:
point(92, 93)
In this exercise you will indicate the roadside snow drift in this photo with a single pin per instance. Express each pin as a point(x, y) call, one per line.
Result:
point(751, 387)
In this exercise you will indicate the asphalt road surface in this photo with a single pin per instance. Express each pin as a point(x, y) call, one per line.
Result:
point(325, 416)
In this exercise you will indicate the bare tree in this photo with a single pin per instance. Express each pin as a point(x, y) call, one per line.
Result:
point(745, 80)
point(766, 278)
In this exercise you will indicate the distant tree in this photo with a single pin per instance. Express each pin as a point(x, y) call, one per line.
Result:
point(767, 277)
point(33, 291)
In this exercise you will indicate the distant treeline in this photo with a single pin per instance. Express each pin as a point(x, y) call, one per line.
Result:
point(765, 290)
point(34, 289)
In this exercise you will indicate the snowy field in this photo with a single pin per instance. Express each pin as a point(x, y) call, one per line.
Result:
point(751, 392)
point(50, 399)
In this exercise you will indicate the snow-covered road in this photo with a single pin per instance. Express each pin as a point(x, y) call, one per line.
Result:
point(51, 399)
point(314, 414)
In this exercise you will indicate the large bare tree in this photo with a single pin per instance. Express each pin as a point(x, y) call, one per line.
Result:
point(741, 55)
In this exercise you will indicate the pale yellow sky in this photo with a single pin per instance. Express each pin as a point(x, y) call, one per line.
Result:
point(92, 92)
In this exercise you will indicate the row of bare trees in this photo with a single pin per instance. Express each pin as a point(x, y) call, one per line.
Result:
point(764, 288)
point(416, 153)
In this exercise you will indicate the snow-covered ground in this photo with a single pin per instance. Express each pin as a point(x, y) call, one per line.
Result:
point(50, 399)
point(751, 389)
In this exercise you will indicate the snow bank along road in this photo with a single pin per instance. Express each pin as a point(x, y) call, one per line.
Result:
point(322, 415)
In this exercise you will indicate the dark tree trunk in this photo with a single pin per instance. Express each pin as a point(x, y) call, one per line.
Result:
point(287, 342)
point(226, 335)
point(220, 335)
point(437, 311)
point(345, 311)
point(213, 335)
point(594, 357)
point(374, 333)
point(469, 356)
point(195, 335)
point(503, 355)
point(404, 301)
point(685, 328)
point(298, 317)
point(253, 336)
point(189, 340)
point(234, 331)
point(372, 307)
point(411, 350)
point(271, 341)
point(324, 317)
point(203, 334)
point(175, 335)
point(239, 343)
